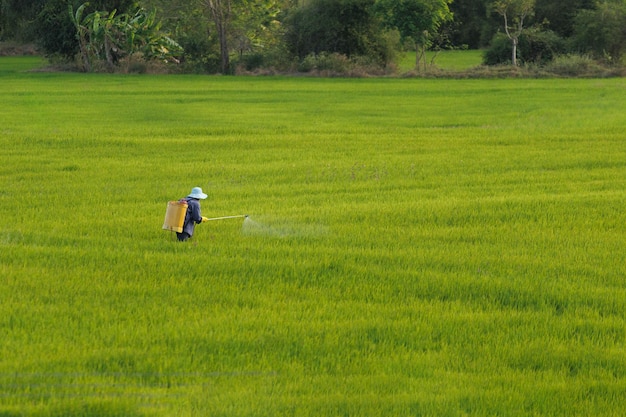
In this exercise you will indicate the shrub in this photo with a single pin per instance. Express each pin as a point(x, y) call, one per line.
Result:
point(574, 65)
point(334, 64)
point(535, 46)
point(499, 52)
point(347, 27)
point(200, 54)
point(571, 64)
point(541, 46)
point(55, 31)
point(602, 31)
point(324, 61)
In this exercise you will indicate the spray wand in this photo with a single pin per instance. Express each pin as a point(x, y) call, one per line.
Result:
point(206, 219)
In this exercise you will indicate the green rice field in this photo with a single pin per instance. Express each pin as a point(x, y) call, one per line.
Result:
point(413, 248)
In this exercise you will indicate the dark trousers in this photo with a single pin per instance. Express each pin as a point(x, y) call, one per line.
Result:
point(182, 236)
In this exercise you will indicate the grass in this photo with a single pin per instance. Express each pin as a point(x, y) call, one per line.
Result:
point(452, 60)
point(416, 247)
point(12, 64)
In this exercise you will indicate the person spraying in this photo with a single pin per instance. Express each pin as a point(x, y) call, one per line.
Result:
point(193, 215)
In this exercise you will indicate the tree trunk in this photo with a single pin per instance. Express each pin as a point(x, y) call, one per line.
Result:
point(514, 54)
point(220, 11)
point(84, 54)
point(419, 56)
point(224, 52)
point(107, 52)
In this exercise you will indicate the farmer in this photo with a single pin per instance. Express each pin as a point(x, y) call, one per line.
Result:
point(193, 215)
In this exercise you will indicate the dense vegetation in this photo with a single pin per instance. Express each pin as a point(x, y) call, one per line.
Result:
point(415, 247)
point(302, 35)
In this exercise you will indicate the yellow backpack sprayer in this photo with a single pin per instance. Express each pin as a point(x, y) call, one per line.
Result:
point(175, 216)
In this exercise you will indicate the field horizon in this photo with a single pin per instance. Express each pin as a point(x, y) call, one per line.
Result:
point(414, 247)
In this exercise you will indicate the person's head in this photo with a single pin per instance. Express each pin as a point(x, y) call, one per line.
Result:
point(196, 192)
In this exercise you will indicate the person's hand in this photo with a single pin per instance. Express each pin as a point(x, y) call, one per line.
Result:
point(204, 219)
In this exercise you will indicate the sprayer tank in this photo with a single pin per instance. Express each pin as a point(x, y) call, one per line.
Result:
point(175, 216)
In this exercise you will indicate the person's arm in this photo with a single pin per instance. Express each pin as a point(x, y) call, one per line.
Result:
point(196, 216)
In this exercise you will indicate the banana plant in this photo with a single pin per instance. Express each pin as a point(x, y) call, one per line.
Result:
point(82, 33)
point(108, 36)
point(143, 34)
point(104, 35)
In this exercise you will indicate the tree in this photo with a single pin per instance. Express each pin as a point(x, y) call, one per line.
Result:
point(221, 12)
point(16, 17)
point(416, 20)
point(559, 15)
point(514, 13)
point(190, 24)
point(256, 34)
point(345, 27)
point(602, 31)
point(56, 33)
point(472, 24)
point(210, 30)
point(240, 22)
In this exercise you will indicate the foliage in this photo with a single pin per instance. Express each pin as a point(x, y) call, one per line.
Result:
point(56, 32)
point(542, 46)
point(416, 20)
point(602, 31)
point(257, 27)
point(514, 12)
point(142, 33)
point(536, 46)
point(258, 35)
point(345, 27)
point(430, 247)
point(231, 36)
point(244, 26)
point(16, 17)
point(449, 60)
point(222, 14)
point(108, 36)
point(570, 65)
point(473, 25)
point(334, 64)
point(559, 15)
point(194, 31)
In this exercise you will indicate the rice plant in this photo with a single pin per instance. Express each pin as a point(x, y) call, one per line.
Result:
point(413, 247)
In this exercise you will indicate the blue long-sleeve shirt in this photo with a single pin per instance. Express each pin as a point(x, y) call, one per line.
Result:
point(193, 216)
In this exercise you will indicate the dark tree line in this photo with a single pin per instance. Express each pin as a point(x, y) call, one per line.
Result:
point(217, 35)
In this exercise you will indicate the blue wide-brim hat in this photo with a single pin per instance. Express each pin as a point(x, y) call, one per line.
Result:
point(196, 192)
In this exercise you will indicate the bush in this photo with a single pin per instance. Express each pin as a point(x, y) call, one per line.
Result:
point(535, 46)
point(345, 27)
point(334, 64)
point(324, 61)
point(200, 54)
point(574, 65)
point(252, 61)
point(55, 31)
point(499, 52)
point(541, 46)
point(602, 32)
point(571, 64)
